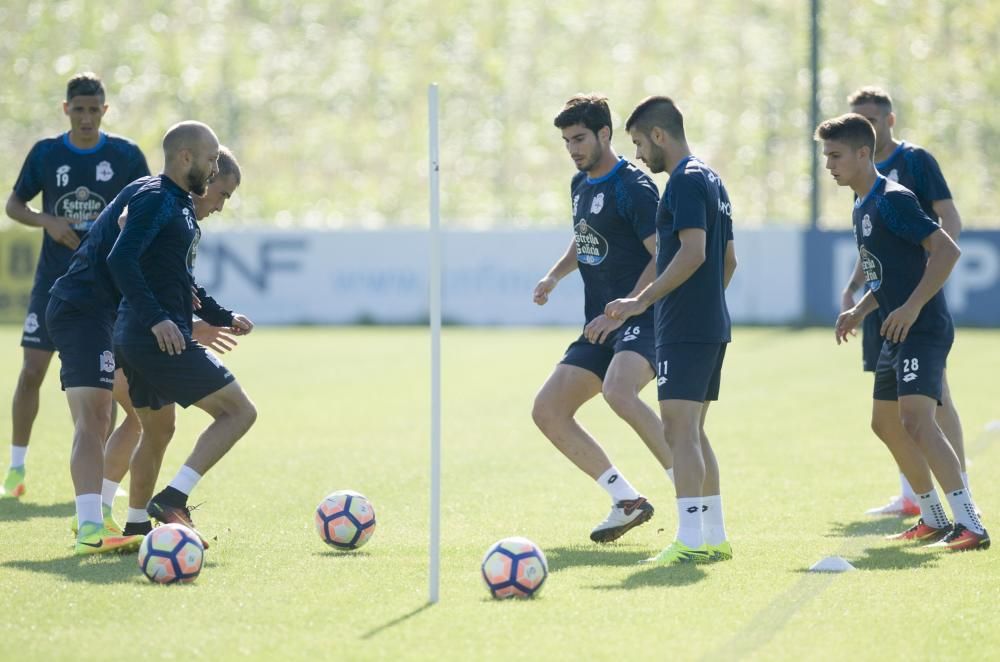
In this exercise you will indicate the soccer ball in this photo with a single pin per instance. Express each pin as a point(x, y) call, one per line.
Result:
point(345, 519)
point(514, 568)
point(171, 553)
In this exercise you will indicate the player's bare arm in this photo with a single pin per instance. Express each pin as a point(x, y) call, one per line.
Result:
point(848, 321)
point(566, 265)
point(729, 268)
point(58, 228)
point(599, 327)
point(951, 222)
point(943, 253)
point(690, 256)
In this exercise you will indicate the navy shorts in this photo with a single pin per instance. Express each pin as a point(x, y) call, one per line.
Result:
point(871, 340)
point(912, 367)
point(689, 371)
point(636, 335)
point(83, 339)
point(157, 379)
point(36, 332)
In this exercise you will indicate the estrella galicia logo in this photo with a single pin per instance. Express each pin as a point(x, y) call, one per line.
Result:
point(81, 206)
point(872, 268)
point(591, 247)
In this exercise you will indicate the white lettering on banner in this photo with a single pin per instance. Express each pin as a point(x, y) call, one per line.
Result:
point(977, 269)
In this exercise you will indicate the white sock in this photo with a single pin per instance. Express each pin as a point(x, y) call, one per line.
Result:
point(614, 484)
point(905, 489)
point(964, 510)
point(108, 491)
point(17, 455)
point(931, 510)
point(136, 516)
point(88, 509)
point(965, 481)
point(689, 521)
point(712, 525)
point(185, 480)
point(670, 475)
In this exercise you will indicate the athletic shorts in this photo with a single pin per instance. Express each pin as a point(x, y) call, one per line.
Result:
point(157, 379)
point(83, 339)
point(689, 371)
point(36, 332)
point(636, 335)
point(912, 367)
point(871, 340)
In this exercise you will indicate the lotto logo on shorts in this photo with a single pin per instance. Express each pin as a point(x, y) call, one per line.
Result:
point(107, 360)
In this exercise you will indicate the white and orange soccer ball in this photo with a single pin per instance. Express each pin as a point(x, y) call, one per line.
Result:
point(171, 553)
point(345, 520)
point(514, 568)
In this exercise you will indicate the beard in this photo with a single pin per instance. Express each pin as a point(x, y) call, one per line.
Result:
point(590, 160)
point(197, 181)
point(657, 160)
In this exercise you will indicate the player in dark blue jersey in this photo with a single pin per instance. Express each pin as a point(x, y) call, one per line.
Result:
point(906, 258)
point(695, 259)
point(614, 208)
point(80, 317)
point(917, 170)
point(78, 173)
point(152, 264)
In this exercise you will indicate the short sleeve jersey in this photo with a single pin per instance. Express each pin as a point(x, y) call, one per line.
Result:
point(917, 170)
point(152, 261)
point(76, 184)
point(87, 282)
point(696, 311)
point(612, 215)
point(889, 226)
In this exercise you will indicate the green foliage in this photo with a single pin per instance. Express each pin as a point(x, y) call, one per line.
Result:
point(325, 103)
point(347, 408)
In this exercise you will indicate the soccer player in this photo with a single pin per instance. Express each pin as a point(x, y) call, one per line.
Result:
point(917, 170)
point(695, 260)
point(77, 173)
point(906, 258)
point(614, 210)
point(80, 318)
point(152, 264)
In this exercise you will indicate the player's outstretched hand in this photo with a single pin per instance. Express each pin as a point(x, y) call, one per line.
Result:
point(213, 337)
point(847, 325)
point(622, 309)
point(542, 290)
point(897, 323)
point(241, 325)
point(597, 329)
point(60, 230)
point(169, 337)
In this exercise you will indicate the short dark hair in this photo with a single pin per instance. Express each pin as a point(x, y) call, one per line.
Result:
point(228, 165)
point(851, 129)
point(871, 94)
point(590, 110)
point(657, 111)
point(86, 84)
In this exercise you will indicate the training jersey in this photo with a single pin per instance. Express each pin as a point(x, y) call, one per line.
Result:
point(76, 184)
point(916, 169)
point(696, 311)
point(152, 264)
point(611, 217)
point(889, 226)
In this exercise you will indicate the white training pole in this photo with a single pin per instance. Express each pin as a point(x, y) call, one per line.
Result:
point(435, 314)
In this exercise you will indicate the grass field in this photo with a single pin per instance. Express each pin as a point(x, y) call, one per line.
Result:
point(348, 408)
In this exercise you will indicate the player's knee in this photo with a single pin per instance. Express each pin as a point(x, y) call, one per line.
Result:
point(32, 375)
point(619, 398)
point(915, 425)
point(247, 413)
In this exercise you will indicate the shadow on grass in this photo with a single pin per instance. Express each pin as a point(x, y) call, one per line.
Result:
point(345, 554)
point(676, 575)
point(561, 558)
point(869, 527)
point(394, 622)
point(96, 569)
point(894, 558)
point(15, 510)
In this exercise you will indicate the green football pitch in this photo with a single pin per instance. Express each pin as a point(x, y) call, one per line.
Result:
point(348, 408)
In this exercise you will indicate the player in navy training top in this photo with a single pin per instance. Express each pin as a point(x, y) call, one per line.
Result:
point(906, 258)
point(80, 317)
point(78, 173)
point(917, 170)
point(152, 264)
point(614, 207)
point(695, 259)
